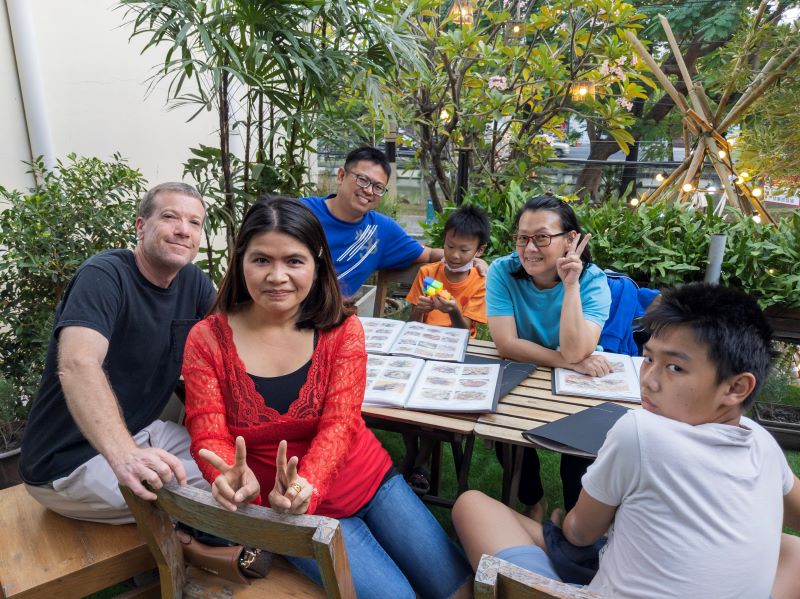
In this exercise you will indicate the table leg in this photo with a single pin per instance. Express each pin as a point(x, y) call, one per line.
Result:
point(507, 456)
point(517, 472)
point(436, 468)
point(464, 462)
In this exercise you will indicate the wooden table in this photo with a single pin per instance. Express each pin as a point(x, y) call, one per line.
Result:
point(529, 405)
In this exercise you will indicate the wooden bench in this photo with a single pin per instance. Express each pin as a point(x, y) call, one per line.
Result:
point(313, 537)
point(45, 555)
point(499, 579)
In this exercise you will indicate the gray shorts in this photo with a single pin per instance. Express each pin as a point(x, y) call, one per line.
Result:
point(91, 491)
point(530, 557)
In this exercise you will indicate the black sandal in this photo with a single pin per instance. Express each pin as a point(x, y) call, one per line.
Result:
point(419, 481)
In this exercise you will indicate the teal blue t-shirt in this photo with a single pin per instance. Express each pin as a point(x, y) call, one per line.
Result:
point(537, 312)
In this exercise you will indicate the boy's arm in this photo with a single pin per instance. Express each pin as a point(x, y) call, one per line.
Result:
point(791, 506)
point(588, 520)
point(422, 304)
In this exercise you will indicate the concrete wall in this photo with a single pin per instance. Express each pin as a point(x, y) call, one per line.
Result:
point(95, 93)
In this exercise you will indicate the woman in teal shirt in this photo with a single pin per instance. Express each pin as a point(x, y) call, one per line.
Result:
point(546, 303)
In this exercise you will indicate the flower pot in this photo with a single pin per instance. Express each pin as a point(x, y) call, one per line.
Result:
point(9, 473)
point(782, 421)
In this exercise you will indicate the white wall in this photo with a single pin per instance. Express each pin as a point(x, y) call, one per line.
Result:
point(95, 83)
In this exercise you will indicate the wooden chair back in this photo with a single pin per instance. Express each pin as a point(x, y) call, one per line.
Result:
point(315, 537)
point(499, 579)
point(404, 276)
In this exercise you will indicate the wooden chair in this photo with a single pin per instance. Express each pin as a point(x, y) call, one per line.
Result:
point(314, 537)
point(403, 276)
point(499, 579)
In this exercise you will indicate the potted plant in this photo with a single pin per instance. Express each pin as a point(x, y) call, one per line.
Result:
point(77, 209)
point(778, 406)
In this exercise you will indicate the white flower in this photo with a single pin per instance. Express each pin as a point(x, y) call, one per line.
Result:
point(624, 103)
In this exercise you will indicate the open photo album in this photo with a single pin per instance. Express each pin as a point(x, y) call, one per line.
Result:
point(620, 385)
point(406, 382)
point(395, 337)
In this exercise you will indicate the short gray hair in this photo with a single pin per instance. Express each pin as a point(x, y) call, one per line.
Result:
point(146, 205)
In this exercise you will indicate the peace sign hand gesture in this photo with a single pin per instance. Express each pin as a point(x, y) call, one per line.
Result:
point(291, 493)
point(236, 484)
point(569, 267)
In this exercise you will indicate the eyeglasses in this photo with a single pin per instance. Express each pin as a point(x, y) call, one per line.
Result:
point(540, 240)
point(364, 182)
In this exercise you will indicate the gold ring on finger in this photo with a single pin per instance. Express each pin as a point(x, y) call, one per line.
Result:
point(297, 488)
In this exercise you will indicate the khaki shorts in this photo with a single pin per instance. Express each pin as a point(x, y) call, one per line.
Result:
point(91, 492)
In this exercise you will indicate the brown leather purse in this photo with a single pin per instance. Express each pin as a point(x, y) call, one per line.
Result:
point(235, 563)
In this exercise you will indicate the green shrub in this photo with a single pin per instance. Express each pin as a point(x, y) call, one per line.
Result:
point(74, 211)
point(664, 244)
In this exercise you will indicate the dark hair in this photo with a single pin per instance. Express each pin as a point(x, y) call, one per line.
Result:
point(324, 307)
point(146, 205)
point(727, 321)
point(569, 222)
point(470, 221)
point(369, 154)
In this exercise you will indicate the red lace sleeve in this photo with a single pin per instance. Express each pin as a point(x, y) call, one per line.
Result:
point(341, 412)
point(205, 405)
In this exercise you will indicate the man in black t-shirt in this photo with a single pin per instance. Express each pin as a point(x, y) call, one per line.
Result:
point(113, 361)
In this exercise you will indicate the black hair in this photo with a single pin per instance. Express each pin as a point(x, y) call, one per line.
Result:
point(369, 154)
point(470, 221)
point(569, 222)
point(728, 322)
point(324, 307)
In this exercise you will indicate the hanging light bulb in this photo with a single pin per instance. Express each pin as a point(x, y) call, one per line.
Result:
point(462, 12)
point(687, 187)
point(739, 180)
point(745, 175)
point(757, 192)
point(756, 219)
point(515, 32)
point(634, 201)
point(582, 90)
point(660, 177)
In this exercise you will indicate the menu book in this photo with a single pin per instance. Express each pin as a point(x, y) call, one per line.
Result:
point(406, 382)
point(581, 434)
point(621, 385)
point(386, 336)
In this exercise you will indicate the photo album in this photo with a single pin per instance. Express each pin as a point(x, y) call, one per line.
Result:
point(406, 382)
point(620, 385)
point(395, 337)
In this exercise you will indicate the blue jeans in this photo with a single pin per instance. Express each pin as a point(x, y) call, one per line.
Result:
point(396, 547)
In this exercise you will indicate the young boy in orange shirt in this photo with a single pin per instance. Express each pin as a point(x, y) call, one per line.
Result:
point(466, 233)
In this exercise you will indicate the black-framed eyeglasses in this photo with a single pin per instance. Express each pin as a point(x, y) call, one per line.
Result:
point(365, 182)
point(540, 240)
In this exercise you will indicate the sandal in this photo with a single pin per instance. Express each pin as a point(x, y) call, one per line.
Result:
point(419, 481)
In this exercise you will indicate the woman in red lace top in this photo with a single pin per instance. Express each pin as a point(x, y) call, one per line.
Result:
point(281, 359)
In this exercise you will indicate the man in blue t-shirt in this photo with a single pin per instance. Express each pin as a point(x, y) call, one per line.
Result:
point(112, 364)
point(361, 239)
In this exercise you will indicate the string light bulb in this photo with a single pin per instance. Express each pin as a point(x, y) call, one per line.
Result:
point(739, 180)
point(757, 192)
point(687, 187)
point(712, 189)
point(745, 175)
point(722, 154)
point(634, 201)
point(660, 177)
point(757, 219)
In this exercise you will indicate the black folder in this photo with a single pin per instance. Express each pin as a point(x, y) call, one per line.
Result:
point(581, 434)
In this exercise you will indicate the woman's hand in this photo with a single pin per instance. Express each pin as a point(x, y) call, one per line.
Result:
point(569, 267)
point(236, 484)
point(593, 365)
point(291, 493)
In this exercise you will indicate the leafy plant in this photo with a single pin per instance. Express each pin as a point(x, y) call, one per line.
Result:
point(667, 244)
point(74, 211)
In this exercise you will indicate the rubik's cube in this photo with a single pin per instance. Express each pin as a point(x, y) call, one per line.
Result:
point(431, 287)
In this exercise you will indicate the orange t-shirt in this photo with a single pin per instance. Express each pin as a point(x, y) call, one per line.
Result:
point(470, 294)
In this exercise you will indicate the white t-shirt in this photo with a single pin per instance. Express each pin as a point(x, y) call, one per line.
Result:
point(700, 508)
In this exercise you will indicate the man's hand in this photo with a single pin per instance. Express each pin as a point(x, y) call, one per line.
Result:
point(236, 484)
point(481, 265)
point(147, 464)
point(425, 304)
point(291, 493)
point(593, 365)
point(569, 267)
